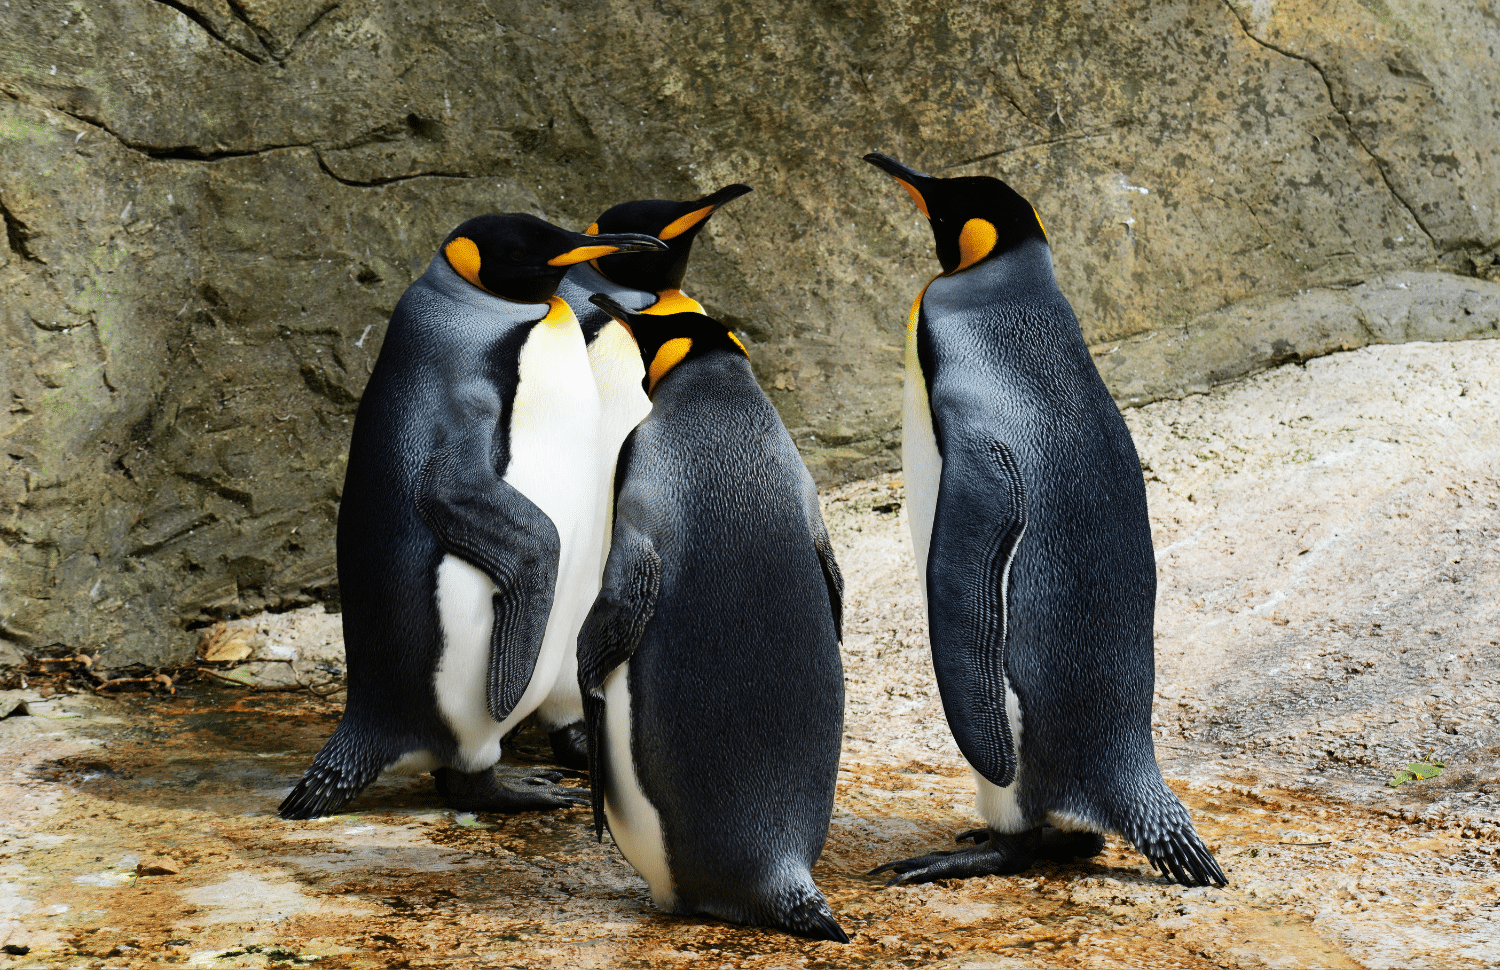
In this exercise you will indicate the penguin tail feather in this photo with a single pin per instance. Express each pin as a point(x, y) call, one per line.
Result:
point(806, 913)
point(1163, 832)
point(341, 770)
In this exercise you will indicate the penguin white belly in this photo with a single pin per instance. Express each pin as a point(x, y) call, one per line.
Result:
point(554, 463)
point(615, 361)
point(634, 822)
point(921, 463)
point(467, 614)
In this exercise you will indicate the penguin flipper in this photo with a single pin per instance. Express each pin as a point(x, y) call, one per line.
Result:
point(968, 575)
point(610, 634)
point(479, 517)
point(824, 546)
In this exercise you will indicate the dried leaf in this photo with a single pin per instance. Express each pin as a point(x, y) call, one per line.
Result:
point(227, 645)
point(158, 866)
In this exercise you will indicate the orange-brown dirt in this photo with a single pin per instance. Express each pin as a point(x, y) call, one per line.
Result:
point(189, 783)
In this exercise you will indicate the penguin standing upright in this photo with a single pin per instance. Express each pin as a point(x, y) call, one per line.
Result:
point(709, 664)
point(1028, 515)
point(468, 498)
point(652, 283)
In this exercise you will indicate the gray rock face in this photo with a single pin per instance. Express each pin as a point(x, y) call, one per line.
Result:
point(211, 208)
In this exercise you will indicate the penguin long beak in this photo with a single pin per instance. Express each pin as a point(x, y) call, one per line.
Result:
point(910, 179)
point(594, 246)
point(702, 209)
point(612, 307)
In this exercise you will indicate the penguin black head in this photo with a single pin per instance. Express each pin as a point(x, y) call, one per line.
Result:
point(666, 340)
point(674, 223)
point(522, 258)
point(972, 218)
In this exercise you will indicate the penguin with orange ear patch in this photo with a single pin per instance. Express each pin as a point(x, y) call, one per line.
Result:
point(1028, 516)
point(468, 500)
point(650, 282)
point(709, 664)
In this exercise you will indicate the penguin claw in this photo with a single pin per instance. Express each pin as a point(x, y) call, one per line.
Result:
point(506, 789)
point(978, 860)
point(994, 855)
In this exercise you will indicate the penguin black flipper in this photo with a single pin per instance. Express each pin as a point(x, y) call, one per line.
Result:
point(969, 607)
point(824, 546)
point(610, 634)
point(480, 518)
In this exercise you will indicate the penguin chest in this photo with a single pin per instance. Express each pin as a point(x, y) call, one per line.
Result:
point(921, 462)
point(554, 429)
point(616, 362)
point(554, 461)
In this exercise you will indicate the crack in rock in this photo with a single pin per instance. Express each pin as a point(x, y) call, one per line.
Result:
point(257, 56)
point(1380, 165)
point(18, 234)
point(193, 153)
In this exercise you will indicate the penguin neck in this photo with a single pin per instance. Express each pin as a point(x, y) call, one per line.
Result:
point(720, 375)
point(1005, 315)
point(441, 277)
point(1025, 268)
point(582, 281)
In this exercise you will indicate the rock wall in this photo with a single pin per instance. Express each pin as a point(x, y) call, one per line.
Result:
point(211, 208)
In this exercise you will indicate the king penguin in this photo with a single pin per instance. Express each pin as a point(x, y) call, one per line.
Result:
point(650, 282)
point(709, 664)
point(468, 499)
point(1028, 516)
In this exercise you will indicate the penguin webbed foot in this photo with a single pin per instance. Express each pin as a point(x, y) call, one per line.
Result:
point(994, 854)
point(506, 789)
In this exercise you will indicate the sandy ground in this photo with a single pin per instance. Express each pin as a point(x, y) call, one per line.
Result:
point(1329, 546)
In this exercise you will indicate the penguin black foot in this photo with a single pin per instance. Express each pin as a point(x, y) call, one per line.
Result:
point(570, 746)
point(506, 789)
point(995, 854)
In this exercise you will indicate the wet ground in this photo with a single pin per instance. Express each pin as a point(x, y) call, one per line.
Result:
point(1330, 571)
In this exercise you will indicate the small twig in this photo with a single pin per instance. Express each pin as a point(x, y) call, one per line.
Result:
point(261, 688)
point(126, 680)
point(1308, 845)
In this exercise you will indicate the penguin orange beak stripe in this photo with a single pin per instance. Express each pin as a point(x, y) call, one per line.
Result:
point(916, 196)
point(582, 255)
point(682, 224)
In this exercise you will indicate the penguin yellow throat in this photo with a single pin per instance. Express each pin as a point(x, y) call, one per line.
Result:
point(673, 301)
point(668, 356)
point(558, 312)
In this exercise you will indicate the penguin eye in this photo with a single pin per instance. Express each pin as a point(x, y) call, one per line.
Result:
point(516, 255)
